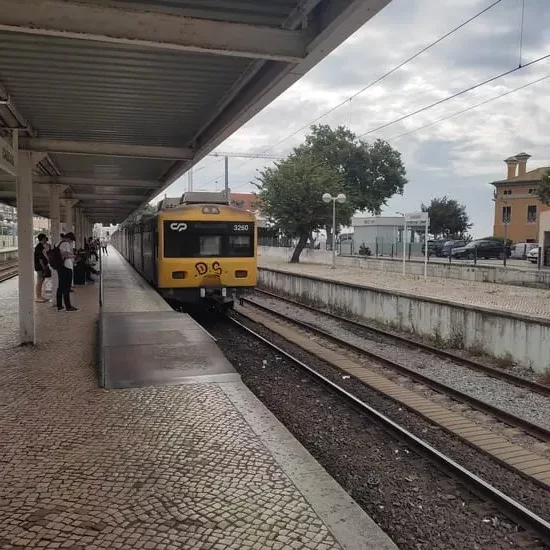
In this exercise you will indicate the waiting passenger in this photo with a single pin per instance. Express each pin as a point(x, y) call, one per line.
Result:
point(41, 267)
point(65, 272)
point(55, 276)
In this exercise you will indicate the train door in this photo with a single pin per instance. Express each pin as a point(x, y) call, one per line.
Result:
point(155, 238)
point(138, 256)
point(131, 245)
point(147, 252)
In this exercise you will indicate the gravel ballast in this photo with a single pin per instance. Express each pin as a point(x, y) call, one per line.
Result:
point(521, 402)
point(419, 507)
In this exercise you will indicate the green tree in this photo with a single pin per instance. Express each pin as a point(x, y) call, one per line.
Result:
point(543, 190)
point(448, 218)
point(291, 196)
point(372, 173)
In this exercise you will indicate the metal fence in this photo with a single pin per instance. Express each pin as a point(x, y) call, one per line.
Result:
point(380, 249)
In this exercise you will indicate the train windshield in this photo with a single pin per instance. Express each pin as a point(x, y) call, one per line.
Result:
point(208, 239)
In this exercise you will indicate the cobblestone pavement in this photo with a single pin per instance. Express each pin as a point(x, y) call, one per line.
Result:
point(526, 301)
point(9, 320)
point(153, 468)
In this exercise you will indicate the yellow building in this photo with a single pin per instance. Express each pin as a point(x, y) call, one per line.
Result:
point(517, 206)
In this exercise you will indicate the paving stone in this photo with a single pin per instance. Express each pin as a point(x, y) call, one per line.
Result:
point(150, 468)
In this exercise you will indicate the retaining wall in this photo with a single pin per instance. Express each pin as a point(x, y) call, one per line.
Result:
point(521, 338)
point(480, 273)
point(8, 254)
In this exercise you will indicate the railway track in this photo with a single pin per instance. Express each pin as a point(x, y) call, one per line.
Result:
point(412, 344)
point(507, 505)
point(8, 270)
point(529, 464)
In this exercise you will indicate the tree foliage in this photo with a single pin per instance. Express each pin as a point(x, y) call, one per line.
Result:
point(371, 173)
point(543, 190)
point(291, 196)
point(448, 218)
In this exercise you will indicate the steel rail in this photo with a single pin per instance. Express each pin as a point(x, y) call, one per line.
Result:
point(506, 504)
point(532, 429)
point(470, 363)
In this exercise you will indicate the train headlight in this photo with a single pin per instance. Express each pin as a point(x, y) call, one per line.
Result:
point(241, 274)
point(179, 274)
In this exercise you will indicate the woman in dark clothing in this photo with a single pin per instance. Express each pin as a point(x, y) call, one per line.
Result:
point(41, 266)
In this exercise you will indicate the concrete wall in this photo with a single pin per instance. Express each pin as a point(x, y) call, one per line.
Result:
point(8, 254)
point(521, 338)
point(479, 273)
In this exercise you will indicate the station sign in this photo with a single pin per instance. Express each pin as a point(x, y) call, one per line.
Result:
point(7, 157)
point(416, 219)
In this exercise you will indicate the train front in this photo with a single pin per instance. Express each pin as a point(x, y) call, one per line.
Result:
point(207, 253)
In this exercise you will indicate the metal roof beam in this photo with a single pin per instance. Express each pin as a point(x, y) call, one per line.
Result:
point(90, 182)
point(115, 25)
point(104, 197)
point(68, 147)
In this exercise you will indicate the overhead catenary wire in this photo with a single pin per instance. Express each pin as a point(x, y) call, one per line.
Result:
point(458, 113)
point(471, 108)
point(427, 107)
point(453, 96)
point(377, 80)
point(388, 73)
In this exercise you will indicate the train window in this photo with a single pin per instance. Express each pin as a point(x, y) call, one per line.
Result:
point(192, 239)
point(240, 246)
point(210, 245)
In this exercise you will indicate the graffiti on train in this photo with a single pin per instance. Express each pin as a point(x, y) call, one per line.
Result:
point(202, 268)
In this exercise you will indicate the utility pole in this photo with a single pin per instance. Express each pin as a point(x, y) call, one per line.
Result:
point(226, 158)
point(190, 180)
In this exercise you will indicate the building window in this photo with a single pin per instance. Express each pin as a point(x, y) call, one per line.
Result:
point(507, 192)
point(506, 214)
point(532, 213)
point(532, 191)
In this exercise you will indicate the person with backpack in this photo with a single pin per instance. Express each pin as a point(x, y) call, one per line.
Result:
point(62, 260)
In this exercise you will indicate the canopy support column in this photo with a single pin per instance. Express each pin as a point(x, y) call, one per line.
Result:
point(27, 333)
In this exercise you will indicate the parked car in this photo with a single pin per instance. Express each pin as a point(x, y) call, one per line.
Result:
point(521, 250)
point(449, 246)
point(434, 247)
point(484, 249)
point(533, 256)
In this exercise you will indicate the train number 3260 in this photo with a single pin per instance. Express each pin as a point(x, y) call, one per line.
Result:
point(241, 227)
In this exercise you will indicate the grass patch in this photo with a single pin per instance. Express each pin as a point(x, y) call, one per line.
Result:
point(504, 362)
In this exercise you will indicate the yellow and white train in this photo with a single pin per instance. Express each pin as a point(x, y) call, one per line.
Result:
point(201, 250)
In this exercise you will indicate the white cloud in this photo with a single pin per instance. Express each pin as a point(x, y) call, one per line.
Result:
point(457, 157)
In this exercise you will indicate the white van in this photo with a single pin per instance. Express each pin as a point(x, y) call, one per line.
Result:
point(519, 251)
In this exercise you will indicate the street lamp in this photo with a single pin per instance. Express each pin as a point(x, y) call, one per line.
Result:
point(340, 198)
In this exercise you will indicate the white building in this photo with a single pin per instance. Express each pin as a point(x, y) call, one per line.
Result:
point(383, 235)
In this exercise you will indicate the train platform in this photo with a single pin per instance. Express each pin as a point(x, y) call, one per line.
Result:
point(197, 463)
point(500, 298)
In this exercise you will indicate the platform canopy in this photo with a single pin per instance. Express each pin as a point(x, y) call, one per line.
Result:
point(117, 99)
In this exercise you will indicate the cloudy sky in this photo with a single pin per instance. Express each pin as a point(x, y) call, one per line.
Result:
point(457, 157)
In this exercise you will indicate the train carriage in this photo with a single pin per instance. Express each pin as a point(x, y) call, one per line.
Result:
point(202, 250)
